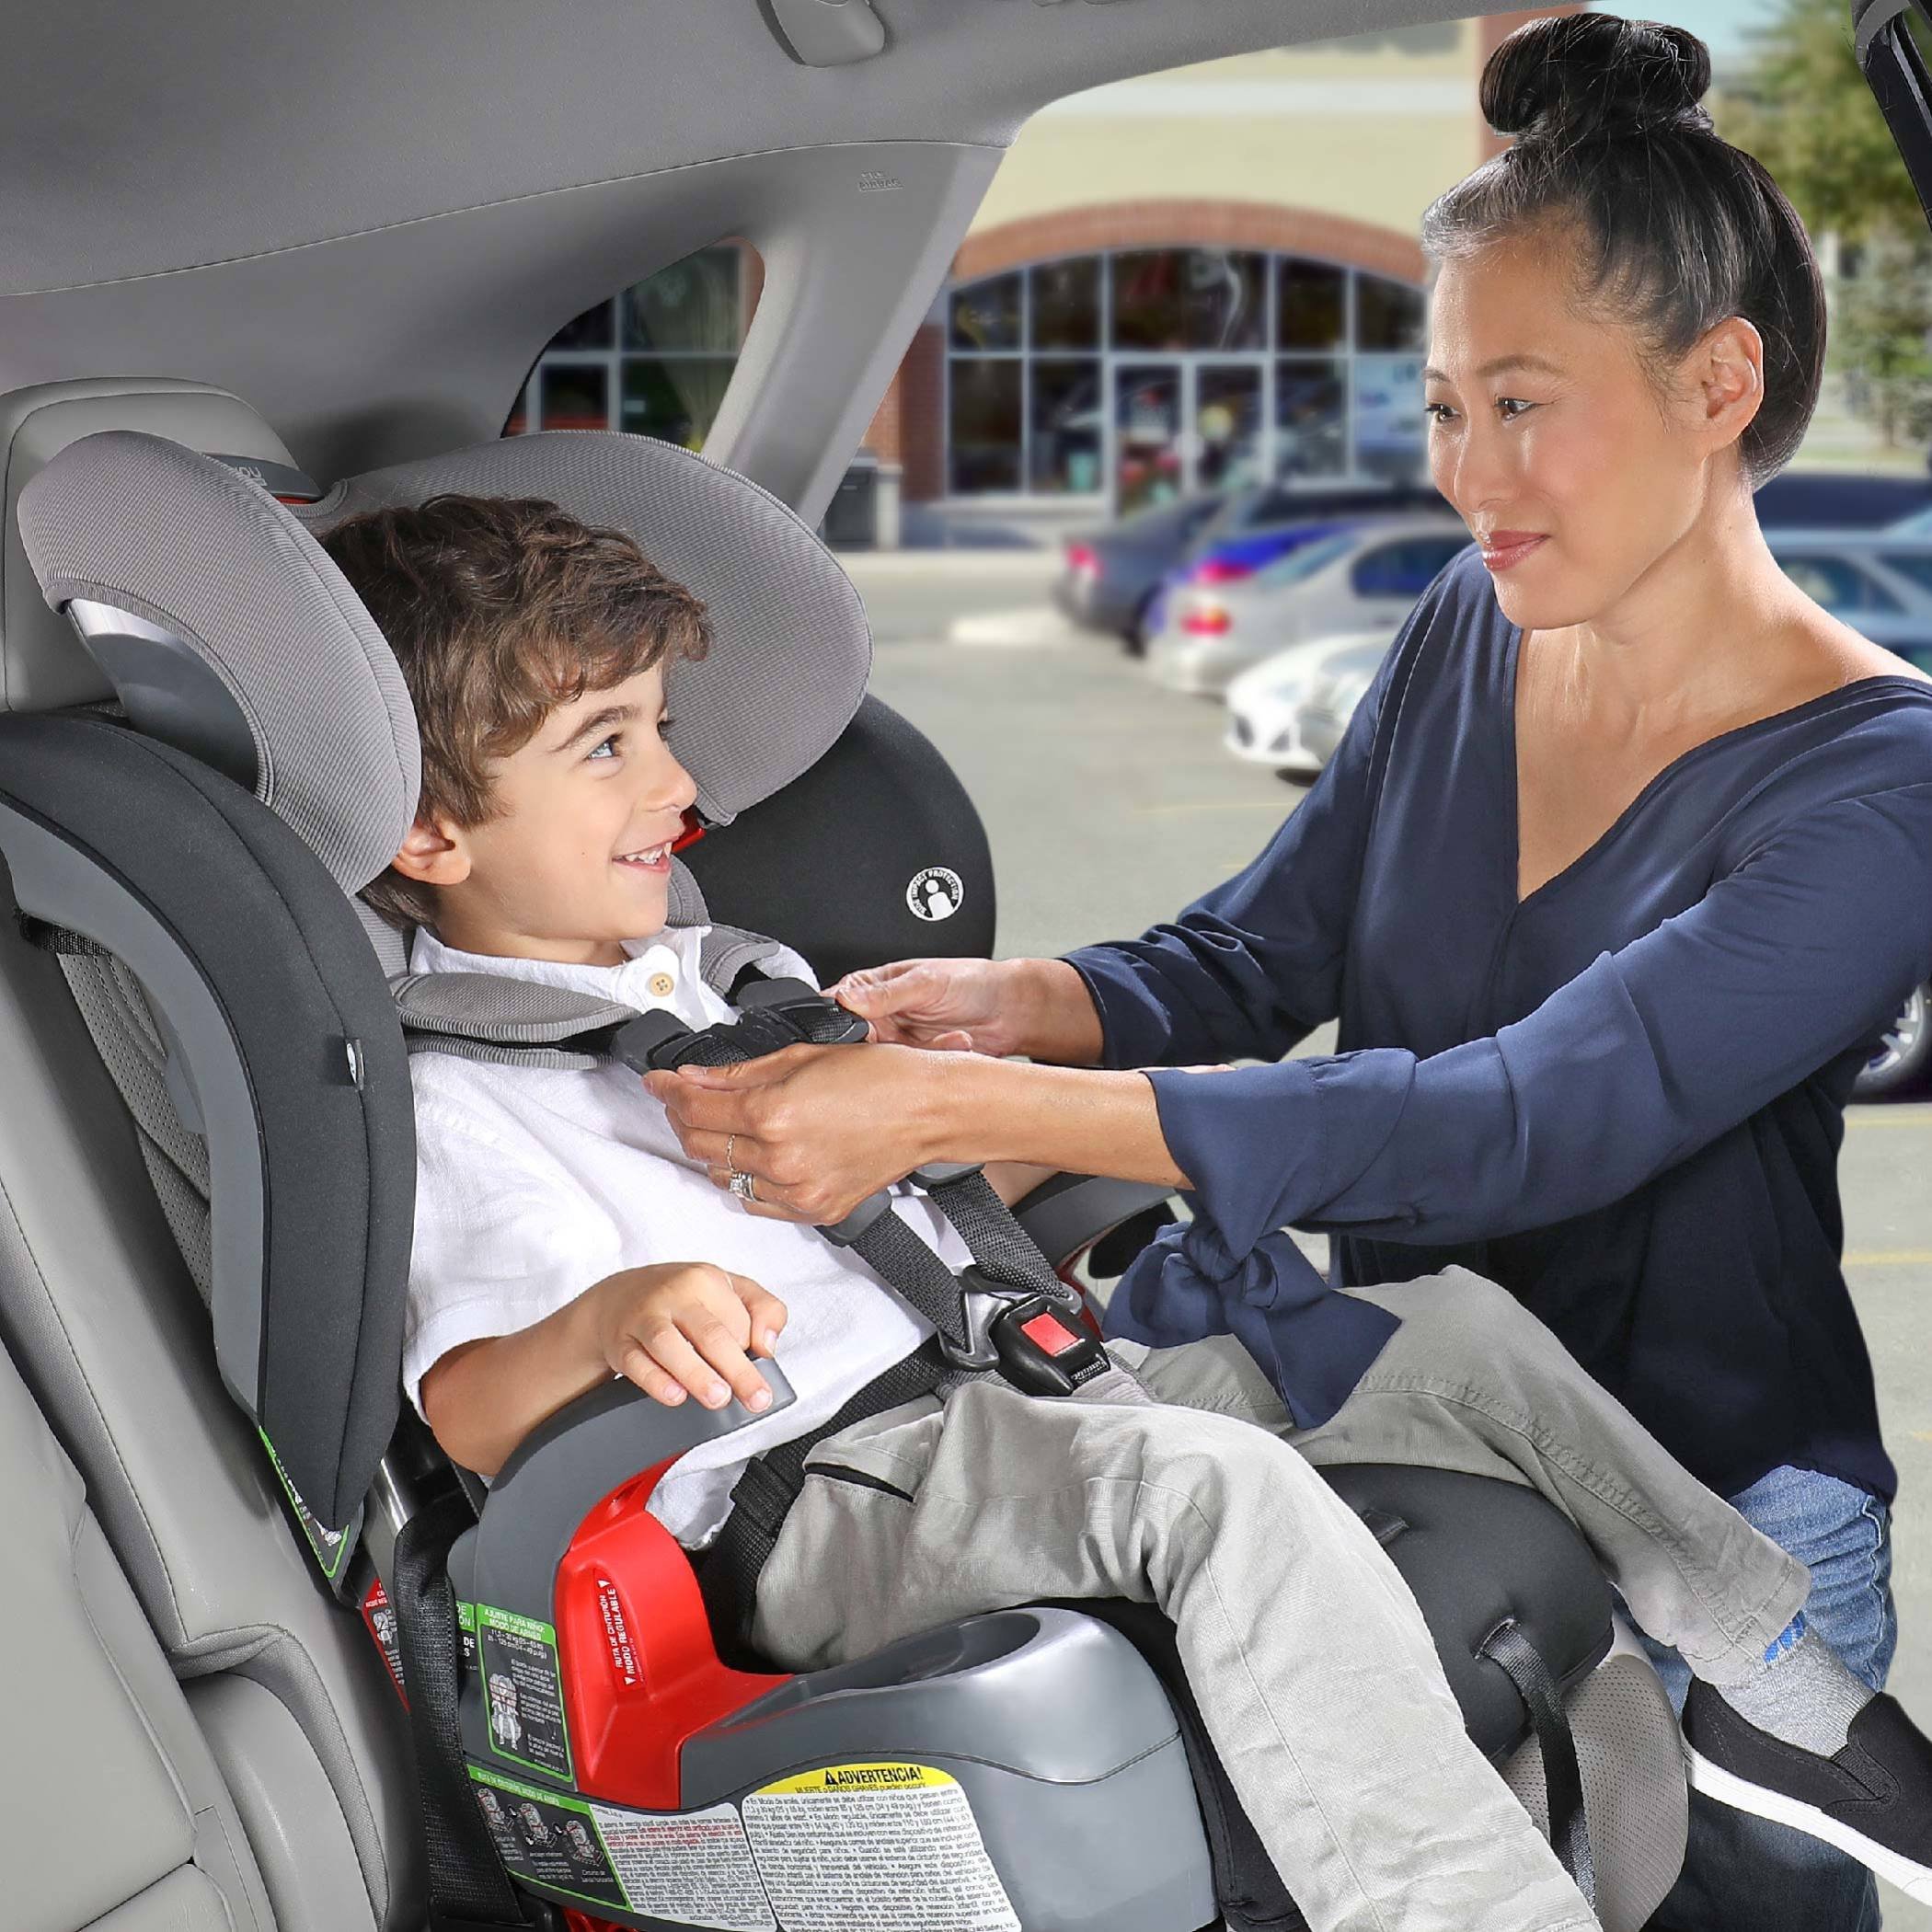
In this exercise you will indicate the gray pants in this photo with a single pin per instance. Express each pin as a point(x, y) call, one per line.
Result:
point(1313, 1669)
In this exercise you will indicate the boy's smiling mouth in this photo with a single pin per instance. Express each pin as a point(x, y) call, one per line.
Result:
point(651, 858)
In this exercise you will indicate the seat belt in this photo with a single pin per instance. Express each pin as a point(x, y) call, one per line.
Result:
point(469, 1890)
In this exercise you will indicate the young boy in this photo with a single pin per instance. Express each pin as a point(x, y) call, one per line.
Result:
point(562, 1237)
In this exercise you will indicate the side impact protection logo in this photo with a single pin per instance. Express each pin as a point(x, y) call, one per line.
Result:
point(936, 894)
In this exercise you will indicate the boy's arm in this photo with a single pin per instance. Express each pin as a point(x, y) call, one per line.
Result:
point(673, 1328)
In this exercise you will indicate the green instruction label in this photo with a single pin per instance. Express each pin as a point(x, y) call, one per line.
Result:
point(548, 1838)
point(523, 1691)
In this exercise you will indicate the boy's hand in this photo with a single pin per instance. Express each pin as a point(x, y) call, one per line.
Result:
point(686, 1327)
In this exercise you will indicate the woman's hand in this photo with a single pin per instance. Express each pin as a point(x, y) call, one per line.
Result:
point(997, 1007)
point(820, 1128)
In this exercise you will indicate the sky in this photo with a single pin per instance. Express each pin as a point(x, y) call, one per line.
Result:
point(1719, 24)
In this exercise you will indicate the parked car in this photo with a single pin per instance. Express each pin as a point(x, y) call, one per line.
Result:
point(1878, 581)
point(1266, 703)
point(1903, 1061)
point(1111, 572)
point(1362, 577)
point(1260, 525)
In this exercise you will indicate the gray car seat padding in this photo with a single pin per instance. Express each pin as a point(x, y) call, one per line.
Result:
point(146, 525)
point(111, 1797)
point(114, 1341)
point(39, 667)
point(308, 1279)
point(790, 648)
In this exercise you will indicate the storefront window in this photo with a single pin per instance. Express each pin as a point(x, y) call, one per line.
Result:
point(1068, 436)
point(1314, 306)
point(1189, 298)
point(1388, 315)
point(984, 423)
point(656, 359)
point(986, 314)
point(1311, 432)
point(577, 398)
point(1067, 304)
point(1196, 369)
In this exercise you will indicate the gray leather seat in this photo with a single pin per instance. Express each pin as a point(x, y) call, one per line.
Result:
point(278, 1688)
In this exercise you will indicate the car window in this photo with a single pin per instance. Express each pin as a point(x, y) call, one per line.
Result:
point(1837, 584)
point(1406, 568)
point(1915, 566)
point(1306, 560)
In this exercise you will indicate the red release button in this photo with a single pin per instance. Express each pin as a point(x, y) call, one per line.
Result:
point(1048, 1333)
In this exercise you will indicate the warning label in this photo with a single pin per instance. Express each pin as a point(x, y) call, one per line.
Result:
point(467, 1629)
point(694, 1868)
point(546, 1838)
point(379, 1616)
point(522, 1692)
point(890, 1846)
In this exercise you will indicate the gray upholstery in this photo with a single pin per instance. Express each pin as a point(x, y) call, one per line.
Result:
point(99, 1313)
point(111, 1807)
point(39, 666)
point(791, 651)
point(149, 526)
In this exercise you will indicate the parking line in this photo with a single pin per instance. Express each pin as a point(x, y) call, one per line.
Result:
point(1175, 811)
point(1890, 1117)
point(1889, 1257)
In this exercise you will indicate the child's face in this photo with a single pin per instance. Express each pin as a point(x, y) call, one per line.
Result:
point(578, 857)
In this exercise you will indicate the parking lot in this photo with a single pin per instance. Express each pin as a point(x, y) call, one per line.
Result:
point(1109, 804)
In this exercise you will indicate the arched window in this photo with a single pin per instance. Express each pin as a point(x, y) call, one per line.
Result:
point(1137, 374)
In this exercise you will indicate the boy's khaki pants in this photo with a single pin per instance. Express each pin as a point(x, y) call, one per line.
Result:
point(1313, 1669)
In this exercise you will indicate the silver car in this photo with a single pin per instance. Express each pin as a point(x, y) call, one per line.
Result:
point(1363, 578)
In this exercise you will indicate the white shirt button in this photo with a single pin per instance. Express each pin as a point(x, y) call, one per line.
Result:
point(661, 985)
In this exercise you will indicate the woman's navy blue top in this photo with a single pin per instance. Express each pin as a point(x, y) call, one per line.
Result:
point(1622, 1098)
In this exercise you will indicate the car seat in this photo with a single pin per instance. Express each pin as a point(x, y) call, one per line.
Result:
point(186, 800)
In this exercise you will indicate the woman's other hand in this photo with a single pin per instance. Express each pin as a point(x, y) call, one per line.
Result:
point(820, 1128)
point(1036, 1007)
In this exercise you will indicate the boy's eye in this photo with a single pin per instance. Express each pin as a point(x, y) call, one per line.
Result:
point(664, 725)
point(606, 746)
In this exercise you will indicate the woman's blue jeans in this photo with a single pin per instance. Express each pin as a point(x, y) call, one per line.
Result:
point(1744, 1874)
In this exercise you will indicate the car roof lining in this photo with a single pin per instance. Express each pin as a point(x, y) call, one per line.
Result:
point(368, 218)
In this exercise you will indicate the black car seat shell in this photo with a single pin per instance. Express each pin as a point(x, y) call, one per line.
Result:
point(81, 557)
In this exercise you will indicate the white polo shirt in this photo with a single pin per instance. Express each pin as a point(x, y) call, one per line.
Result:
point(533, 1184)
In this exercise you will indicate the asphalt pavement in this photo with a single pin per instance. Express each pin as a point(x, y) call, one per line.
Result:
point(1109, 804)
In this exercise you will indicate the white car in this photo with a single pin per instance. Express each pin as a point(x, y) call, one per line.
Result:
point(1357, 578)
point(1267, 703)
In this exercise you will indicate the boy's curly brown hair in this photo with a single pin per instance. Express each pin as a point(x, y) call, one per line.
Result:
point(498, 610)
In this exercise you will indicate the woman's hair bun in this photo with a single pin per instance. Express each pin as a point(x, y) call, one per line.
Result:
point(1568, 78)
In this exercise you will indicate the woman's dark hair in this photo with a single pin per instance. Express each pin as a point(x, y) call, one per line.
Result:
point(1675, 228)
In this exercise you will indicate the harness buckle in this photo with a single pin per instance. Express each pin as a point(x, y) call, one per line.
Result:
point(1029, 1337)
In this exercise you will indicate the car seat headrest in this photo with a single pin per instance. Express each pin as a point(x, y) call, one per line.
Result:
point(790, 646)
point(245, 647)
point(39, 668)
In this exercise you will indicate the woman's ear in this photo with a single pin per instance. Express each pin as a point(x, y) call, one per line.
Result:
point(435, 853)
point(1729, 366)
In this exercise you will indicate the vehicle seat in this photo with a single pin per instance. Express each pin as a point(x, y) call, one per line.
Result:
point(174, 544)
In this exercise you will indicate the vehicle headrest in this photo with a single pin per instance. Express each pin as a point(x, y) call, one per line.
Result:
point(39, 668)
point(791, 649)
point(251, 647)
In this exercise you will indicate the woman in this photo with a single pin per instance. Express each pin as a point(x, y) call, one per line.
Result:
point(1623, 865)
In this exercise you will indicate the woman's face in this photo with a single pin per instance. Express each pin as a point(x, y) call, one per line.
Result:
point(1543, 424)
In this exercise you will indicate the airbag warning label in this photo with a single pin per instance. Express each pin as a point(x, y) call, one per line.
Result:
point(875, 1847)
point(522, 1690)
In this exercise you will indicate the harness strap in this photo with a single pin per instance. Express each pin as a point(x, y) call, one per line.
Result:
point(729, 1571)
point(469, 1887)
point(1520, 1660)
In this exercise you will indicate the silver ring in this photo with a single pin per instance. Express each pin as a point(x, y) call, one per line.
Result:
point(743, 1185)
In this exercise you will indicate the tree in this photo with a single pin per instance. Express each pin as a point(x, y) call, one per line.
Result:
point(1880, 333)
point(1802, 106)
